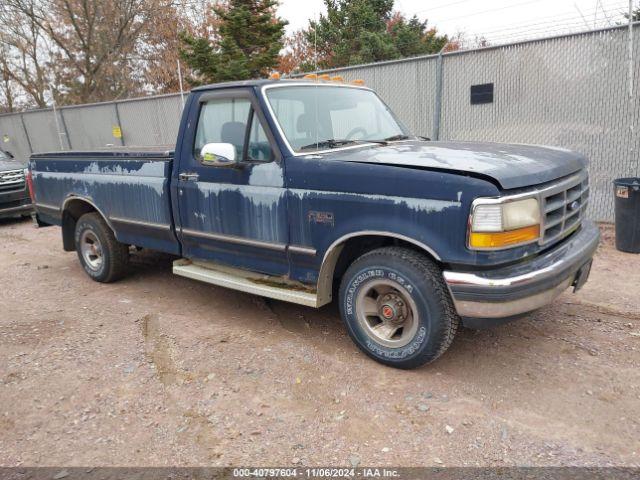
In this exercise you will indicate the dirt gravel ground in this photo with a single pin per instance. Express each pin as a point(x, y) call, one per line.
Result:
point(161, 370)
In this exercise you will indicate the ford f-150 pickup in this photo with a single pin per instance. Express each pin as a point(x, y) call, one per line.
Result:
point(302, 190)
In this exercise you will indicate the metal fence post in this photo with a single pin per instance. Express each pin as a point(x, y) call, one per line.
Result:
point(631, 22)
point(64, 129)
point(26, 133)
point(55, 119)
point(438, 100)
point(117, 110)
point(180, 82)
point(631, 79)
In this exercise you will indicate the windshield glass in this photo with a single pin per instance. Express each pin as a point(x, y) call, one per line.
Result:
point(4, 156)
point(324, 117)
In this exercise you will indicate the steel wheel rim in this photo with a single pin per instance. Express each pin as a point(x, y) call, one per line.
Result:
point(387, 313)
point(91, 250)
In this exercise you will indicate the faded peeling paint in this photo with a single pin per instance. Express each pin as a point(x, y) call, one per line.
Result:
point(269, 175)
point(144, 169)
point(130, 190)
point(157, 184)
point(255, 212)
point(415, 204)
point(133, 200)
point(512, 165)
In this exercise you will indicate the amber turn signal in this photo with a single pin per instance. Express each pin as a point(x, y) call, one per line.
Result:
point(504, 239)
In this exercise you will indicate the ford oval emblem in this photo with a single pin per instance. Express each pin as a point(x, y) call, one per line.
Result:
point(574, 205)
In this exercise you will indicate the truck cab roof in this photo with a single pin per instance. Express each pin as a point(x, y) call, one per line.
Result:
point(263, 81)
point(241, 83)
point(114, 152)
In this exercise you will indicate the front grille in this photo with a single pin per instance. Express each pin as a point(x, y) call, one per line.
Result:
point(564, 206)
point(12, 180)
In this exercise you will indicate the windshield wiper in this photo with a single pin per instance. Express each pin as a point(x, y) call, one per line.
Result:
point(334, 143)
point(394, 138)
point(330, 143)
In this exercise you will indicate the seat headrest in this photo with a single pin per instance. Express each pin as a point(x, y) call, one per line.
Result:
point(233, 133)
point(304, 124)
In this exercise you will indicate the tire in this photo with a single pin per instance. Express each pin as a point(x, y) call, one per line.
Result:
point(414, 320)
point(108, 259)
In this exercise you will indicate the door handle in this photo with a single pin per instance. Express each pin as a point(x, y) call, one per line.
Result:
point(189, 177)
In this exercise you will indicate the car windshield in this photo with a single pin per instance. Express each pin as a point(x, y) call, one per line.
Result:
point(325, 117)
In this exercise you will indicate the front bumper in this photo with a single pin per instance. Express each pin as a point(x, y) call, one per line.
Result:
point(527, 286)
point(17, 206)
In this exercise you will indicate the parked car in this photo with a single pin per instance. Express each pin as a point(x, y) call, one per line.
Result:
point(14, 195)
point(299, 190)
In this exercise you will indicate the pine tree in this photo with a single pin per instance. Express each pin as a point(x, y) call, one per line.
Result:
point(364, 31)
point(246, 43)
point(635, 15)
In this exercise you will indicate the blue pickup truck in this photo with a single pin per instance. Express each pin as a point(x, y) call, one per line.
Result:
point(306, 190)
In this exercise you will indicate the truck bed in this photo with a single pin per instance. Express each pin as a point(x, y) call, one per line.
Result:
point(129, 186)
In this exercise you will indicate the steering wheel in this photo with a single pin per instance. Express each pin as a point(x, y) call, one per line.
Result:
point(354, 131)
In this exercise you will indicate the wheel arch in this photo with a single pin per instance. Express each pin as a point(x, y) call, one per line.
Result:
point(73, 207)
point(350, 246)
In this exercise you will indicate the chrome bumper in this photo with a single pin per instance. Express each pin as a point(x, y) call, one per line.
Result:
point(528, 286)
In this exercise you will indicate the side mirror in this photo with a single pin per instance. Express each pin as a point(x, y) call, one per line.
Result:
point(218, 155)
point(9, 154)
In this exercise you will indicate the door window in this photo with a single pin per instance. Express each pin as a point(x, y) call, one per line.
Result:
point(226, 120)
point(259, 147)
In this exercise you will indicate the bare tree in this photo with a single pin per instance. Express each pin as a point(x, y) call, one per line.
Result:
point(91, 50)
point(94, 41)
point(298, 54)
point(158, 51)
point(24, 54)
point(7, 86)
point(93, 54)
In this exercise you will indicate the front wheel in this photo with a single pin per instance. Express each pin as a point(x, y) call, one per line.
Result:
point(396, 307)
point(101, 255)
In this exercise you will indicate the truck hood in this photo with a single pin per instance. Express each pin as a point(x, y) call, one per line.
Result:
point(511, 165)
point(10, 165)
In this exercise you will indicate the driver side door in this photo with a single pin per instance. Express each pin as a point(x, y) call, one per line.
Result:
point(234, 215)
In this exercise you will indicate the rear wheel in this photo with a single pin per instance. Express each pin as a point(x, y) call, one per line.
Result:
point(101, 255)
point(396, 307)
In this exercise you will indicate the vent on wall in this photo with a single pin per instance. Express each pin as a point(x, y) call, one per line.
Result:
point(482, 93)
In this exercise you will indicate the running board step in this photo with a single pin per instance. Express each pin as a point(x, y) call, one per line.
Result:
point(244, 281)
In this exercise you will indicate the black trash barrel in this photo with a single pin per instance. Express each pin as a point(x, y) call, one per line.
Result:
point(627, 191)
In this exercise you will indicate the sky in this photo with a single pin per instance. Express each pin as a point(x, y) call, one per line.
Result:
point(498, 20)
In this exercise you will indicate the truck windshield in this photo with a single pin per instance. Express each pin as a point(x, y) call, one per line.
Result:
point(324, 117)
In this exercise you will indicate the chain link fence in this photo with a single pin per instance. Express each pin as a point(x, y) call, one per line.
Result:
point(570, 91)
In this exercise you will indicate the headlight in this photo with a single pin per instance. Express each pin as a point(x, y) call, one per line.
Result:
point(497, 224)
